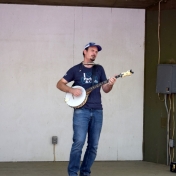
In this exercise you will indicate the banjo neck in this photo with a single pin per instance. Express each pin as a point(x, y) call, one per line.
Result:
point(99, 84)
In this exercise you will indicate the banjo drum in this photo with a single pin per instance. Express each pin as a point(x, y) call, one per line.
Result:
point(78, 101)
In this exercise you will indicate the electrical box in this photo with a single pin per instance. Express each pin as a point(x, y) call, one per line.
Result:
point(54, 140)
point(166, 79)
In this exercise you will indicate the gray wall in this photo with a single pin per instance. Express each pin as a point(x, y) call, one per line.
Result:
point(38, 44)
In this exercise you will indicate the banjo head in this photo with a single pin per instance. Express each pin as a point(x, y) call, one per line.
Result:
point(75, 101)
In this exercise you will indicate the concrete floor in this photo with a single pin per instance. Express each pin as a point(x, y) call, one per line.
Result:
point(114, 168)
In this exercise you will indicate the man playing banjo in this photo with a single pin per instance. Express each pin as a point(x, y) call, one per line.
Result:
point(88, 117)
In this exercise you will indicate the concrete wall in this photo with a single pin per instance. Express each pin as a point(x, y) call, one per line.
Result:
point(38, 44)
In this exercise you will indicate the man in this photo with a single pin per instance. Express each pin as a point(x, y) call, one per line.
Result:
point(87, 120)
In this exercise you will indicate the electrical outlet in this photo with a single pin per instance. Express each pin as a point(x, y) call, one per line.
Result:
point(171, 143)
point(54, 140)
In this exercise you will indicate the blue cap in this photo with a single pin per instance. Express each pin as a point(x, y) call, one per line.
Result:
point(93, 44)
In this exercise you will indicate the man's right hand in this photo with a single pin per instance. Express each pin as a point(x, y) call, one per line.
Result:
point(75, 92)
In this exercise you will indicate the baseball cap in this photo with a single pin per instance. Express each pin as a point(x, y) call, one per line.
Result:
point(93, 44)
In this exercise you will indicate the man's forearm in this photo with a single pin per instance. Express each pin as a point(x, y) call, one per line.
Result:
point(107, 88)
point(63, 87)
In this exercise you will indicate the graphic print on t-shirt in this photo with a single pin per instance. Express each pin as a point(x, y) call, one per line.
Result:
point(87, 78)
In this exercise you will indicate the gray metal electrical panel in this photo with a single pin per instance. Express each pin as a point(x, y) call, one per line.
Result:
point(166, 79)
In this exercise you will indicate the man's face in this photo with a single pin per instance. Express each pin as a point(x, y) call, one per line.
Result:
point(91, 53)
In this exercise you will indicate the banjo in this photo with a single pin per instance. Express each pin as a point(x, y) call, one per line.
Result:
point(79, 101)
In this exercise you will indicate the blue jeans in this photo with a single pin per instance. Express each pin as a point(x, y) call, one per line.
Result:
point(85, 121)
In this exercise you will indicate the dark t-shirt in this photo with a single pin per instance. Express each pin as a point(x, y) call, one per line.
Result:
point(82, 76)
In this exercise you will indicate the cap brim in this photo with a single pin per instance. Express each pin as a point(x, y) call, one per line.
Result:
point(98, 46)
